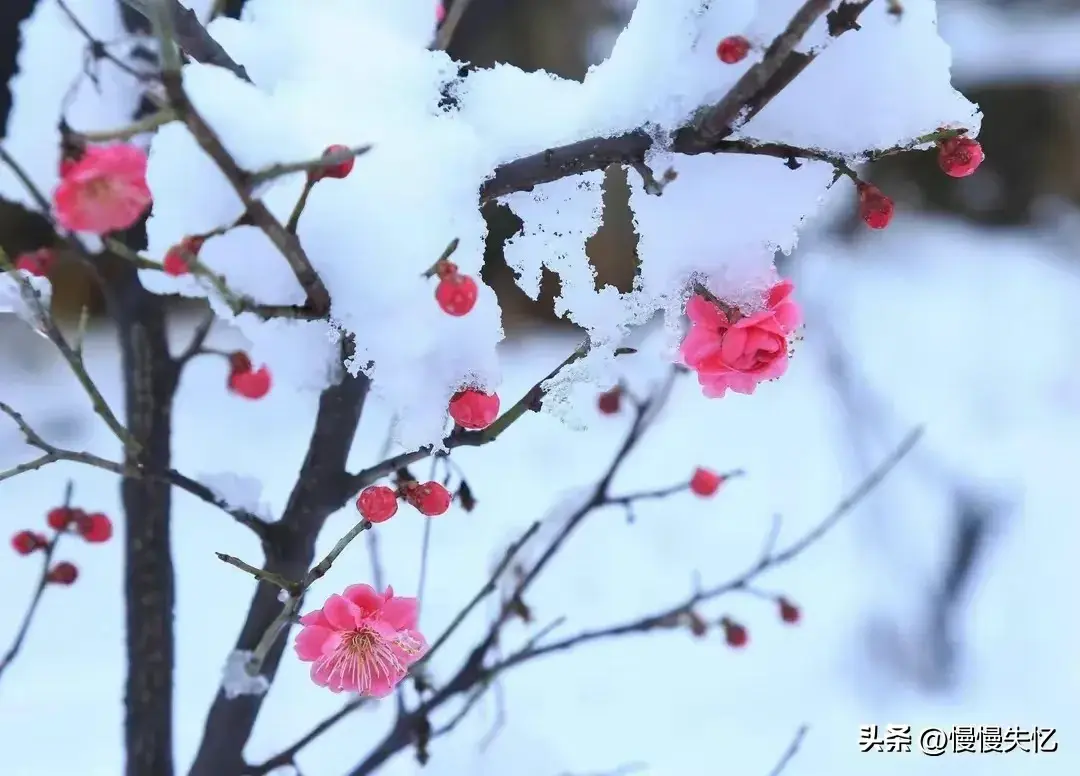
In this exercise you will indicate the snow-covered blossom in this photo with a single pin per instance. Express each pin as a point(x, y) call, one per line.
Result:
point(361, 641)
point(731, 350)
point(361, 72)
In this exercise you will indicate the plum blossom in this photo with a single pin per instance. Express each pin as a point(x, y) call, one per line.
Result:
point(361, 641)
point(730, 350)
point(104, 190)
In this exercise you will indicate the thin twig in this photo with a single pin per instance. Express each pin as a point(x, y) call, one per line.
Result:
point(146, 124)
point(35, 599)
point(670, 490)
point(97, 48)
point(790, 752)
point(198, 339)
point(286, 756)
point(621, 770)
point(489, 587)
point(263, 576)
point(664, 619)
point(236, 302)
point(282, 169)
point(461, 438)
point(70, 355)
point(52, 454)
point(165, 26)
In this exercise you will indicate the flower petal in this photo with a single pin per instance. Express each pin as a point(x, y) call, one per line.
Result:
point(364, 596)
point(310, 642)
point(702, 312)
point(341, 613)
point(401, 613)
point(315, 617)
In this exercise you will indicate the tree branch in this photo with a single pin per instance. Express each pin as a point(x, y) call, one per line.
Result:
point(167, 26)
point(473, 673)
point(52, 454)
point(790, 752)
point(191, 36)
point(289, 547)
point(530, 401)
point(71, 355)
point(43, 580)
point(752, 92)
point(670, 617)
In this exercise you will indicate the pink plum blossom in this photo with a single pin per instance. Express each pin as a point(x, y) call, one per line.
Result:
point(361, 641)
point(729, 350)
point(104, 190)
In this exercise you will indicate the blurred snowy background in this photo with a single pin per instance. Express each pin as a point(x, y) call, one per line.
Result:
point(934, 603)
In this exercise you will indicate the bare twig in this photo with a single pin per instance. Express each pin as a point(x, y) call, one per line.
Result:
point(331, 159)
point(461, 438)
point(286, 756)
point(664, 619)
point(263, 576)
point(790, 752)
point(198, 339)
point(659, 493)
point(52, 454)
point(97, 48)
point(489, 587)
point(146, 124)
point(237, 303)
point(71, 356)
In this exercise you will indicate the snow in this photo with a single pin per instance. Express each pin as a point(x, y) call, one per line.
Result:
point(237, 681)
point(239, 492)
point(354, 73)
point(919, 307)
point(14, 296)
point(967, 332)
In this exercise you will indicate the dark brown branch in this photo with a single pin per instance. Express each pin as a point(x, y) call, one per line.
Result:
point(290, 549)
point(198, 339)
point(287, 243)
point(192, 37)
point(761, 82)
point(473, 673)
point(150, 379)
point(753, 92)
